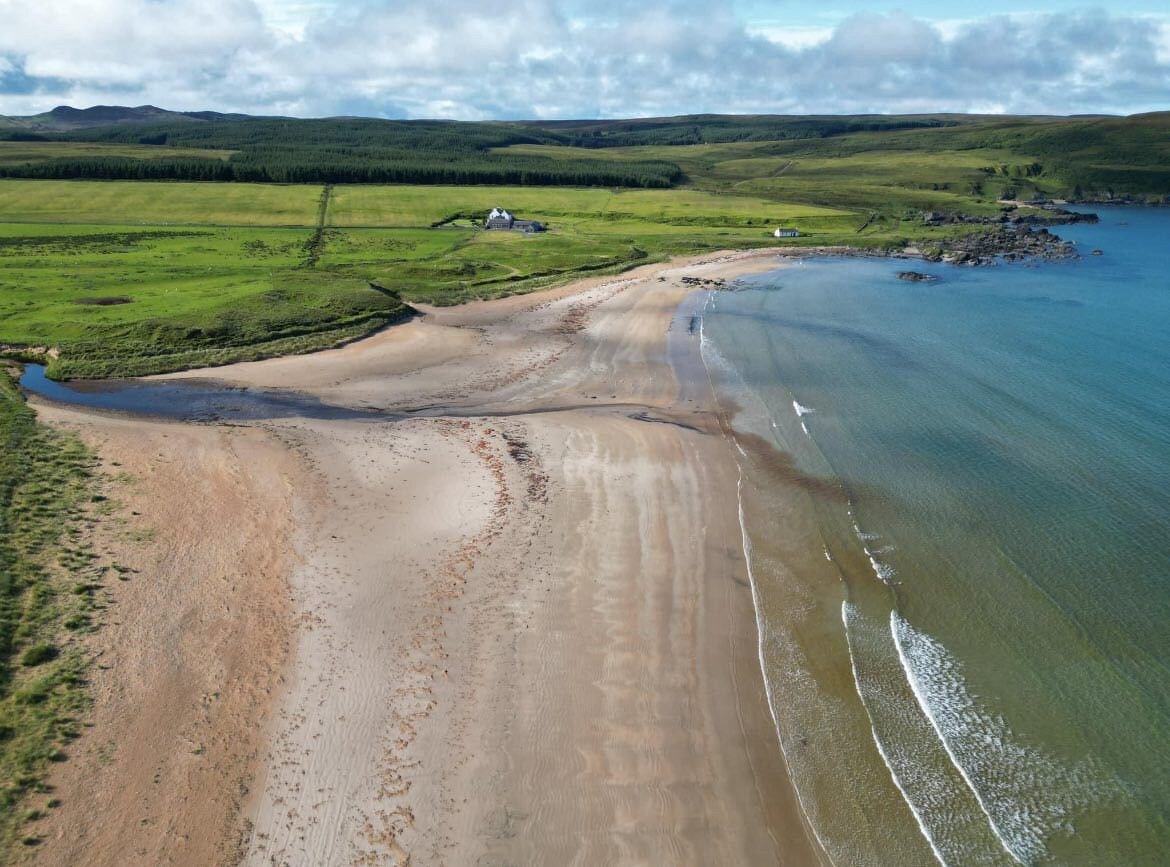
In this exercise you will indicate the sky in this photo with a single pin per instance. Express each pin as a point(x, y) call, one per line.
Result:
point(543, 59)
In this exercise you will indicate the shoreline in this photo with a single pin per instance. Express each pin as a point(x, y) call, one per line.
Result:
point(725, 410)
point(464, 585)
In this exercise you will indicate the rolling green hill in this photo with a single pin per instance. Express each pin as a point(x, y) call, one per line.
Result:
point(1084, 157)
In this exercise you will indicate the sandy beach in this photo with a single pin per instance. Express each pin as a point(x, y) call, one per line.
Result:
point(515, 627)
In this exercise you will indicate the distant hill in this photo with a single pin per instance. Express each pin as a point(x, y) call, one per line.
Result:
point(1086, 157)
point(66, 118)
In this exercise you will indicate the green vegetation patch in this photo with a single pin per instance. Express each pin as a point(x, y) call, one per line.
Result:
point(338, 150)
point(417, 206)
point(46, 484)
point(122, 203)
point(476, 264)
point(17, 153)
point(959, 166)
point(131, 301)
point(886, 181)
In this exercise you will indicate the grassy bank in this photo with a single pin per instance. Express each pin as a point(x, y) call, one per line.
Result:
point(133, 300)
point(48, 579)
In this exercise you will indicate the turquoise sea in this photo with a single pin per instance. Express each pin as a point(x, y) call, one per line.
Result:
point(956, 499)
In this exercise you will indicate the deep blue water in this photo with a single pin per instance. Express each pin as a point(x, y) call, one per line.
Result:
point(1004, 557)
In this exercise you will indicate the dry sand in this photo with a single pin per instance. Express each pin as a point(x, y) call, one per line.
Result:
point(513, 629)
point(194, 642)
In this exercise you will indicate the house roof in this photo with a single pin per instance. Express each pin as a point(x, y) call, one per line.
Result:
point(499, 213)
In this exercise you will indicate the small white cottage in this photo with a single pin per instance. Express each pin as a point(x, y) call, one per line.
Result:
point(785, 233)
point(500, 219)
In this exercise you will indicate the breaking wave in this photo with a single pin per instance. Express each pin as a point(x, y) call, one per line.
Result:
point(1026, 795)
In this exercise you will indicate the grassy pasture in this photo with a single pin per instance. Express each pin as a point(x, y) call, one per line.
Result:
point(591, 230)
point(132, 300)
point(479, 264)
point(884, 180)
point(422, 206)
point(146, 203)
point(19, 153)
point(401, 206)
point(51, 285)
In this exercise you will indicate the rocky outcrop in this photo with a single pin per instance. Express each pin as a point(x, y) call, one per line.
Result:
point(1047, 215)
point(1011, 243)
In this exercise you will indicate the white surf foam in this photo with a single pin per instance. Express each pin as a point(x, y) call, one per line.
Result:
point(709, 354)
point(801, 410)
point(1026, 795)
point(861, 534)
point(884, 571)
point(848, 611)
point(769, 692)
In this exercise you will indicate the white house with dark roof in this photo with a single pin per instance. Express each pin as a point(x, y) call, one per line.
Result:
point(501, 219)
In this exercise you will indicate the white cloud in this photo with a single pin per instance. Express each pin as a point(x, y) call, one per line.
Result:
point(1161, 36)
point(791, 36)
point(532, 58)
point(290, 18)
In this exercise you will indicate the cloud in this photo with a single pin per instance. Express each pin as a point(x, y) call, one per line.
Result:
point(543, 58)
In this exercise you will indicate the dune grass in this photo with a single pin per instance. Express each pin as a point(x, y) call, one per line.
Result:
point(49, 580)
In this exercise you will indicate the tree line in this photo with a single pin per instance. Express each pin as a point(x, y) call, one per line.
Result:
point(311, 168)
point(345, 151)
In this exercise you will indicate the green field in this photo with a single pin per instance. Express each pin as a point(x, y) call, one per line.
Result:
point(134, 300)
point(19, 152)
point(145, 203)
point(973, 159)
point(891, 181)
point(426, 205)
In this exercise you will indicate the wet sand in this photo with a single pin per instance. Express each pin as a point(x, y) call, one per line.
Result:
point(519, 624)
